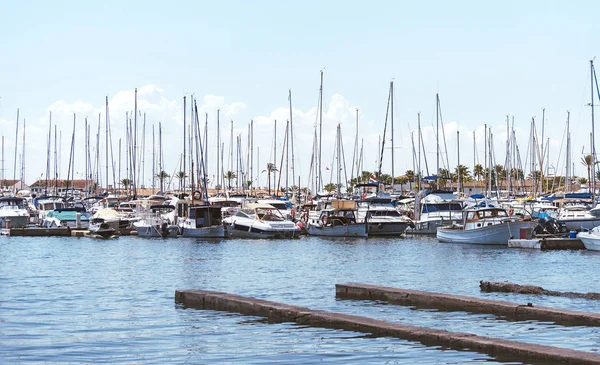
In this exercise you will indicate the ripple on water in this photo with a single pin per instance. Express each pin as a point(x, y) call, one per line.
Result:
point(90, 301)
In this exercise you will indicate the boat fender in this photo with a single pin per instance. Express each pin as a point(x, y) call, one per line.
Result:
point(164, 230)
point(324, 220)
point(411, 225)
point(511, 211)
point(380, 226)
point(293, 213)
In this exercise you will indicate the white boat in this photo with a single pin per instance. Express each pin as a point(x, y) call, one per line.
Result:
point(13, 212)
point(260, 221)
point(73, 217)
point(577, 218)
point(382, 218)
point(203, 221)
point(338, 221)
point(435, 209)
point(590, 239)
point(45, 205)
point(485, 226)
point(154, 224)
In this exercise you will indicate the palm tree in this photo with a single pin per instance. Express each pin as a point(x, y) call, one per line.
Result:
point(230, 175)
point(271, 169)
point(588, 161)
point(181, 176)
point(410, 175)
point(330, 188)
point(126, 184)
point(499, 173)
point(478, 172)
point(162, 176)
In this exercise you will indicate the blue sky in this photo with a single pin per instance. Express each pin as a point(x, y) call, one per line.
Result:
point(485, 60)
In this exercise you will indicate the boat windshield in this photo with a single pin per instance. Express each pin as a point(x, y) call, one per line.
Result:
point(385, 213)
point(283, 206)
point(269, 214)
point(441, 207)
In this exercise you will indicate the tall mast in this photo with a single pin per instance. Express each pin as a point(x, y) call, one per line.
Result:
point(55, 164)
point(184, 140)
point(508, 158)
point(458, 161)
point(486, 170)
point(106, 142)
point(419, 143)
point(16, 149)
point(568, 156)
point(134, 152)
point(143, 164)
point(320, 178)
point(153, 162)
point(205, 172)
point(392, 120)
point(593, 146)
point(437, 133)
point(218, 182)
point(160, 158)
point(275, 153)
point(339, 152)
point(251, 153)
point(287, 159)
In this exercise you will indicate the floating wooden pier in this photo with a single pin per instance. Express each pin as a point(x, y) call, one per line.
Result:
point(506, 287)
point(559, 243)
point(38, 232)
point(279, 312)
point(449, 302)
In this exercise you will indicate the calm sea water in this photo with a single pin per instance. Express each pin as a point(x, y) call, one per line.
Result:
point(83, 300)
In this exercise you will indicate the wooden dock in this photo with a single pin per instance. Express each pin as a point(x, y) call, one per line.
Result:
point(280, 312)
point(548, 243)
point(45, 232)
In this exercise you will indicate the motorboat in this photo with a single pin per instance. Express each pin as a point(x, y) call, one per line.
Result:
point(434, 209)
point(45, 205)
point(485, 226)
point(285, 207)
point(577, 217)
point(72, 217)
point(107, 219)
point(381, 217)
point(590, 239)
point(154, 224)
point(203, 221)
point(13, 213)
point(337, 221)
point(260, 221)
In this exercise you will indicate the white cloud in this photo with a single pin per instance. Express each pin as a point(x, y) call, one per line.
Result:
point(161, 107)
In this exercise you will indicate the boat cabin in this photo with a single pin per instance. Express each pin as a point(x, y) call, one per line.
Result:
point(484, 217)
point(12, 203)
point(205, 215)
point(337, 217)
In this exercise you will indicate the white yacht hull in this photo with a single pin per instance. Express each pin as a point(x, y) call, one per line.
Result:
point(243, 230)
point(204, 232)
point(350, 230)
point(15, 221)
point(496, 234)
point(581, 224)
point(591, 240)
